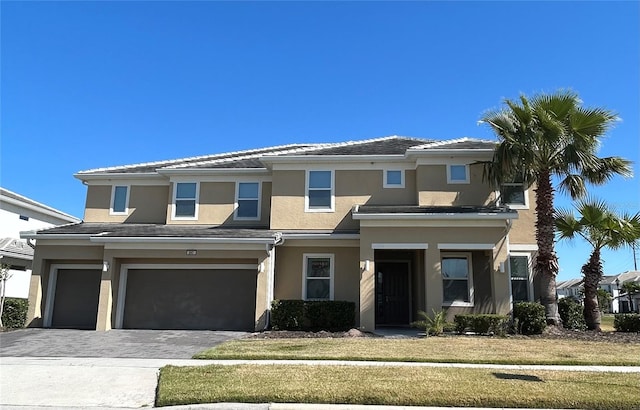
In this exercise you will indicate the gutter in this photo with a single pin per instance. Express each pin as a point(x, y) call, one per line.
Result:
point(446, 216)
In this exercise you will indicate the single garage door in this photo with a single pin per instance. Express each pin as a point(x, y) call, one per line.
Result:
point(190, 299)
point(75, 304)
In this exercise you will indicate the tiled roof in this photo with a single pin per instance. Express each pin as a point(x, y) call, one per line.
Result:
point(458, 144)
point(412, 209)
point(15, 248)
point(252, 159)
point(156, 230)
point(5, 193)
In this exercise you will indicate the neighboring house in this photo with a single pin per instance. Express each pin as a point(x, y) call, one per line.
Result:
point(393, 224)
point(18, 213)
point(620, 302)
point(570, 288)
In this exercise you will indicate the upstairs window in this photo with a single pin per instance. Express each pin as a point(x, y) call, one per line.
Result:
point(519, 268)
point(457, 287)
point(457, 174)
point(247, 201)
point(393, 178)
point(514, 194)
point(318, 277)
point(119, 200)
point(319, 196)
point(185, 199)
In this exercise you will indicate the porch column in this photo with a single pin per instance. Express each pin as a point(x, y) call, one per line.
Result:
point(105, 298)
point(34, 311)
point(500, 280)
point(367, 289)
point(433, 279)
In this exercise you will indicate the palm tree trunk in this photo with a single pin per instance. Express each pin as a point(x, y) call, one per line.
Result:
point(592, 272)
point(546, 265)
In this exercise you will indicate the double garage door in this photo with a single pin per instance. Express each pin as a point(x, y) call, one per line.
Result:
point(215, 299)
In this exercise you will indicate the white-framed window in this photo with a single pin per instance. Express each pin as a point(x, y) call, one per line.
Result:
point(185, 200)
point(319, 191)
point(514, 194)
point(393, 178)
point(317, 276)
point(457, 282)
point(119, 200)
point(247, 205)
point(457, 174)
point(520, 274)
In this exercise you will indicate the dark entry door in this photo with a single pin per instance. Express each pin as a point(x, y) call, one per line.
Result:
point(392, 293)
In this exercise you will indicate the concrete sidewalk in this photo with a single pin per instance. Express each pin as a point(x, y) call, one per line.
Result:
point(109, 383)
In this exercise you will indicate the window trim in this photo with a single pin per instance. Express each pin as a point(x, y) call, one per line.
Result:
point(236, 204)
point(126, 200)
point(386, 184)
point(470, 289)
point(332, 189)
point(514, 206)
point(529, 274)
point(458, 181)
point(305, 258)
point(173, 202)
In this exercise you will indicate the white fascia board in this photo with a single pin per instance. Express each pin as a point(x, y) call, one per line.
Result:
point(466, 246)
point(331, 158)
point(146, 178)
point(346, 166)
point(223, 177)
point(32, 235)
point(432, 223)
point(523, 247)
point(212, 171)
point(43, 211)
point(287, 236)
point(467, 216)
point(165, 239)
point(450, 159)
point(450, 152)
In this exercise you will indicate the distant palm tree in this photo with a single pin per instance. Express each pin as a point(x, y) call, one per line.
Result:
point(602, 228)
point(550, 135)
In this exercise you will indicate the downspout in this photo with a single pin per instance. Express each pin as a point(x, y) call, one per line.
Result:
point(271, 251)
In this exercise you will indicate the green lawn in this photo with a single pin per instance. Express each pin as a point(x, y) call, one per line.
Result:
point(397, 386)
point(461, 349)
point(606, 324)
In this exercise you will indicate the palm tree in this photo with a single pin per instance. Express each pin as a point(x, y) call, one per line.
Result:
point(602, 228)
point(550, 135)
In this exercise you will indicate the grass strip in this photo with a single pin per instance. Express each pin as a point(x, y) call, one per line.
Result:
point(401, 386)
point(433, 349)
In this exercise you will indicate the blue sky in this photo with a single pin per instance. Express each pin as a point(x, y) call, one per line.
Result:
point(93, 84)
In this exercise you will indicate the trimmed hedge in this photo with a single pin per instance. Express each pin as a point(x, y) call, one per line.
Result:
point(627, 322)
point(529, 318)
point(313, 315)
point(481, 323)
point(14, 314)
point(571, 313)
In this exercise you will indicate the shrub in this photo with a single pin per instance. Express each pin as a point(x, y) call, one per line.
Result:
point(627, 322)
point(14, 314)
point(529, 317)
point(431, 325)
point(330, 315)
point(571, 313)
point(482, 323)
point(287, 314)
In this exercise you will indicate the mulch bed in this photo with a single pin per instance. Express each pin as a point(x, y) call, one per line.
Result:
point(551, 332)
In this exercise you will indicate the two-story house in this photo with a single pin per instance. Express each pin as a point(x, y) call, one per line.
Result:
point(394, 224)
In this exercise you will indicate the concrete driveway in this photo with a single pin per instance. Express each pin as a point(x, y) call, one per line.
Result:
point(60, 368)
point(140, 344)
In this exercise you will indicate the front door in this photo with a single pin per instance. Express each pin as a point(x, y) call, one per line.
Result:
point(392, 293)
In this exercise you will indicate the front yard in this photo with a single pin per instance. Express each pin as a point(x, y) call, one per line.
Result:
point(453, 349)
point(424, 386)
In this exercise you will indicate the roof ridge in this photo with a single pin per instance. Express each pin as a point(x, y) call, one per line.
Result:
point(175, 161)
point(251, 156)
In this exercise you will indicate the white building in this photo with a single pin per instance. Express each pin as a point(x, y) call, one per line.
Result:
point(18, 213)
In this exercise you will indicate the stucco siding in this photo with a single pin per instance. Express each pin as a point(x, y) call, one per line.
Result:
point(147, 204)
point(433, 189)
